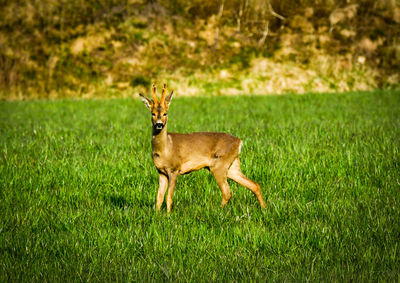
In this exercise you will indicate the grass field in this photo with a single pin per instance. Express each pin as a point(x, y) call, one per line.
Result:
point(78, 188)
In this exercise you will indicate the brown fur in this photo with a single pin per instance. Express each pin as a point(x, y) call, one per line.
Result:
point(177, 154)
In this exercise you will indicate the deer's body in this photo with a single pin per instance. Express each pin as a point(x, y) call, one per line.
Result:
point(170, 151)
point(176, 154)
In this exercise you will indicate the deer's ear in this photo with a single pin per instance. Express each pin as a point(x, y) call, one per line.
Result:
point(147, 102)
point(169, 98)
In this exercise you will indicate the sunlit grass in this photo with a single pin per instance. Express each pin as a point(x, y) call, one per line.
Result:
point(78, 187)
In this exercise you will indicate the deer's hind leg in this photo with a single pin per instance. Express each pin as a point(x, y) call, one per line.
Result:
point(220, 172)
point(236, 174)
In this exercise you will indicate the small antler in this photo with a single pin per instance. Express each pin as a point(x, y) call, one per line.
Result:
point(164, 93)
point(154, 93)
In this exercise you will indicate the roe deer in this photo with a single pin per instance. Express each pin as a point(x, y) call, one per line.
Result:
point(177, 154)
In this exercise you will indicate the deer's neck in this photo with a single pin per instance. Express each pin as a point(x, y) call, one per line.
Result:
point(159, 141)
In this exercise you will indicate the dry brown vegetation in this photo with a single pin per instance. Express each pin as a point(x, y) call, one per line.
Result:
point(105, 48)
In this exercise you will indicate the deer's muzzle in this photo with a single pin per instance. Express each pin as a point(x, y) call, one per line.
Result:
point(159, 126)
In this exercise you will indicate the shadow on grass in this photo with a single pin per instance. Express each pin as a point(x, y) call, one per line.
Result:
point(120, 201)
point(117, 200)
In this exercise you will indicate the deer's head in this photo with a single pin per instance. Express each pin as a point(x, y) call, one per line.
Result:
point(158, 108)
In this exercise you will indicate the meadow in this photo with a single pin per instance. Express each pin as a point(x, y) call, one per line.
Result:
point(78, 188)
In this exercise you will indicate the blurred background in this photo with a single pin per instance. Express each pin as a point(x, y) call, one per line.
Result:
point(116, 48)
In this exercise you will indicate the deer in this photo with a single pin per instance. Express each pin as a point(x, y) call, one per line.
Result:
point(176, 154)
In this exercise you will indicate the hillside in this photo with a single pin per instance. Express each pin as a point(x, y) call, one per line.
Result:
point(53, 49)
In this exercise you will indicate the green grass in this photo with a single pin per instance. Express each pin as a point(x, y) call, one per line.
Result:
point(78, 188)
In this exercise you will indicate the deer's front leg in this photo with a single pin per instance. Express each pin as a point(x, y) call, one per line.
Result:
point(171, 187)
point(162, 187)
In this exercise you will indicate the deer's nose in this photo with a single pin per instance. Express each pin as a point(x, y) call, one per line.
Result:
point(159, 126)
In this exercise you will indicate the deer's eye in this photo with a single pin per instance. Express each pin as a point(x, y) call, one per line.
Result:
point(153, 114)
point(165, 114)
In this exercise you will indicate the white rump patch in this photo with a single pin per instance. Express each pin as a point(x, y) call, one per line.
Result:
point(240, 146)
